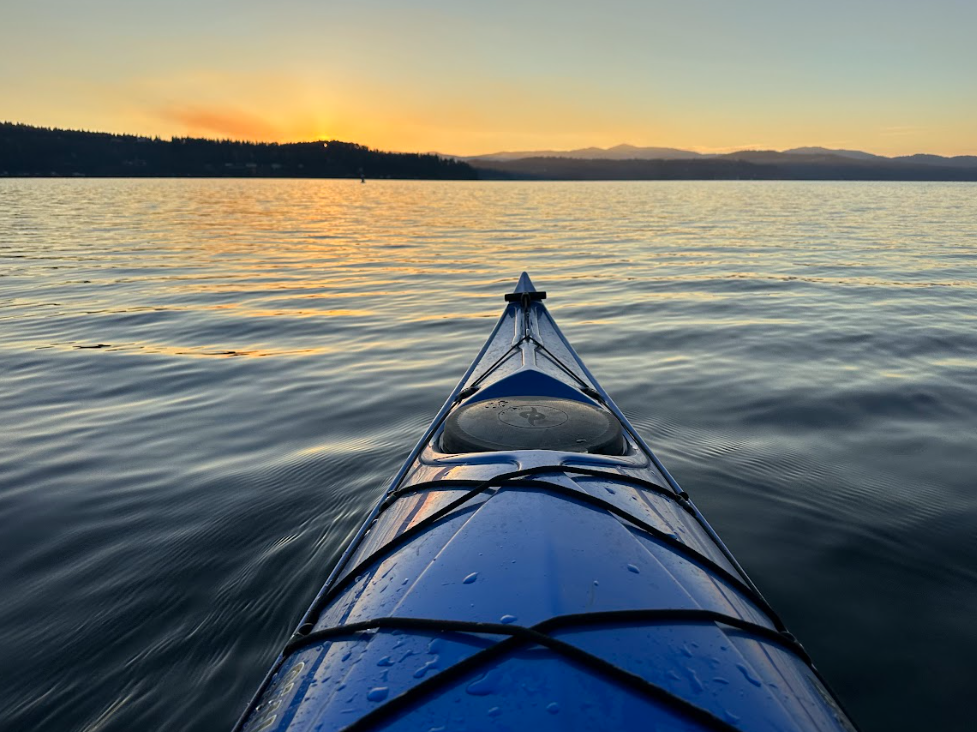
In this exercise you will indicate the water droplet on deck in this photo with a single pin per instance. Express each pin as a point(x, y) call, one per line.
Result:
point(506, 619)
point(470, 578)
point(482, 686)
point(419, 674)
point(378, 693)
point(553, 708)
point(632, 568)
point(749, 677)
point(494, 711)
point(385, 661)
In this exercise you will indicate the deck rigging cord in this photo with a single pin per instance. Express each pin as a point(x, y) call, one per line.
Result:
point(514, 480)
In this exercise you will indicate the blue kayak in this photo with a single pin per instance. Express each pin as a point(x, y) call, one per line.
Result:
point(533, 566)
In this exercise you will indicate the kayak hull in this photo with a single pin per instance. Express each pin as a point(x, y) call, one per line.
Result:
point(516, 589)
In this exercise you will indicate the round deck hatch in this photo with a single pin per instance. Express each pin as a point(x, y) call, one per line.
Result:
point(532, 423)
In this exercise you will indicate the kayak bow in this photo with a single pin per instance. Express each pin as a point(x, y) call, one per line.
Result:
point(533, 566)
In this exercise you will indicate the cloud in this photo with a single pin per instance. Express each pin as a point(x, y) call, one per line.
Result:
point(900, 130)
point(224, 122)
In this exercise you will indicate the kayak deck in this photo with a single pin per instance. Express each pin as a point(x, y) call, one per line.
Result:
point(538, 588)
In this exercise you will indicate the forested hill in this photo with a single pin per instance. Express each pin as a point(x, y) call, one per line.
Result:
point(38, 151)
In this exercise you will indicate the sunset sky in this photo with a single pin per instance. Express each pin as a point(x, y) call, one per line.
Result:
point(891, 77)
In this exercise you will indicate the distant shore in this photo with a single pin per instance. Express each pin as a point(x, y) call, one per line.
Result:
point(28, 151)
point(760, 165)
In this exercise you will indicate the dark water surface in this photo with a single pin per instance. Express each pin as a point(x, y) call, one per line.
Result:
point(205, 385)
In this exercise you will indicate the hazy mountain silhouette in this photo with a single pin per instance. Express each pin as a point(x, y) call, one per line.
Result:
point(618, 152)
point(745, 165)
point(824, 156)
point(960, 161)
point(795, 155)
point(855, 154)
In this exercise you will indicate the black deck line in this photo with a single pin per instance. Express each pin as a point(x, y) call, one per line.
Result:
point(556, 623)
point(500, 482)
point(681, 498)
point(519, 636)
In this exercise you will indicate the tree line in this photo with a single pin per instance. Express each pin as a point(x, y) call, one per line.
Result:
point(26, 150)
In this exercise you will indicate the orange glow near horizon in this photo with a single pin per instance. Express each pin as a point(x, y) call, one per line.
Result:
point(470, 79)
point(495, 115)
point(492, 117)
point(379, 125)
point(512, 116)
point(388, 130)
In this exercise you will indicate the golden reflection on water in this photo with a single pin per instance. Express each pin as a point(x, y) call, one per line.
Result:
point(253, 312)
point(341, 252)
point(201, 352)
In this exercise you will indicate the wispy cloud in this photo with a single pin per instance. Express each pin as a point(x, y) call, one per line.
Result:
point(900, 130)
point(221, 121)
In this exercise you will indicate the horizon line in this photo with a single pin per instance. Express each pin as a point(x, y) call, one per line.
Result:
point(699, 151)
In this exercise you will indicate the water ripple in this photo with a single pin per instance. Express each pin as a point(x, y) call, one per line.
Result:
point(206, 385)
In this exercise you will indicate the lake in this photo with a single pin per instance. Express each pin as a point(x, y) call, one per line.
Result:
point(206, 384)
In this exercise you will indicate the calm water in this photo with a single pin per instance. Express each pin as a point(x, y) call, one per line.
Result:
point(206, 384)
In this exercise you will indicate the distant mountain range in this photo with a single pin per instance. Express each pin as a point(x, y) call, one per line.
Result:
point(632, 152)
point(627, 162)
point(618, 152)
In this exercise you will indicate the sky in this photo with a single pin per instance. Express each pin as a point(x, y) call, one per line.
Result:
point(460, 77)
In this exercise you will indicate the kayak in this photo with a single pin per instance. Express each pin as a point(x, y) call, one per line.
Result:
point(534, 566)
